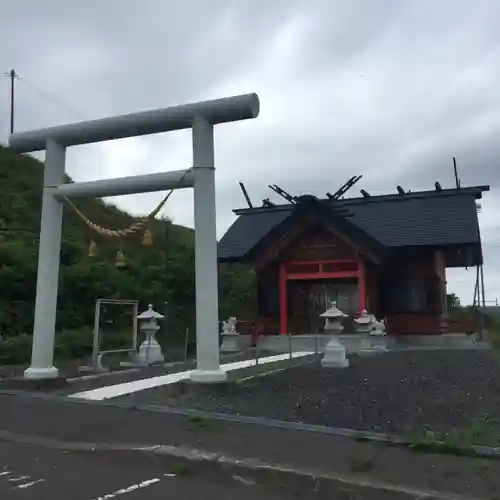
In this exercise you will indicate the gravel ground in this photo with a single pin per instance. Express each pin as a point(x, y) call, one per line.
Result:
point(453, 394)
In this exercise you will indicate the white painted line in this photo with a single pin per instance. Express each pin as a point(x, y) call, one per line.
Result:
point(244, 480)
point(129, 489)
point(263, 374)
point(116, 390)
point(28, 485)
point(17, 479)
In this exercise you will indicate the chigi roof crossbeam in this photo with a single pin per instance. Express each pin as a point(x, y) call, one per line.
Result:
point(344, 188)
point(281, 192)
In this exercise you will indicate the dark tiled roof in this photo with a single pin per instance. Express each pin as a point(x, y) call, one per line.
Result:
point(432, 221)
point(416, 219)
point(247, 231)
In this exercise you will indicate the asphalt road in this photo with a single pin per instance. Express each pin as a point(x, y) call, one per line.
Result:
point(31, 472)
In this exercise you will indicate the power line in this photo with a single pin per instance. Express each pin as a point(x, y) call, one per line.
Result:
point(49, 96)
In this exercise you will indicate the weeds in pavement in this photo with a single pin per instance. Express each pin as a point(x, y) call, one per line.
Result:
point(459, 441)
point(200, 422)
point(180, 469)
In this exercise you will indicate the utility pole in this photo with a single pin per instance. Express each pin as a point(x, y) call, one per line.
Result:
point(482, 287)
point(12, 75)
point(481, 302)
point(457, 180)
point(476, 288)
point(168, 229)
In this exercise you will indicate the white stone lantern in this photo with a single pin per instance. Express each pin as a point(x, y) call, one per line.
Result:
point(365, 323)
point(335, 353)
point(150, 350)
point(333, 319)
point(230, 336)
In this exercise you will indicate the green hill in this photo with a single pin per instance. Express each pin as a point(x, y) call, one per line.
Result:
point(163, 271)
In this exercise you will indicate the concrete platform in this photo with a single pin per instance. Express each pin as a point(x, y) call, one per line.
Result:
point(450, 340)
point(353, 343)
point(356, 343)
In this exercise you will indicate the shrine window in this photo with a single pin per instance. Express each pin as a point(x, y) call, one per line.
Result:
point(407, 296)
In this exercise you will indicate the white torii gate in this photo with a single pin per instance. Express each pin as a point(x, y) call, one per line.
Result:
point(201, 118)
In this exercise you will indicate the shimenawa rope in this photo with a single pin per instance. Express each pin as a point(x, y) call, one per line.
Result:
point(133, 228)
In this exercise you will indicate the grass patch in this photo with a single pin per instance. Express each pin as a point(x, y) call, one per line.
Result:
point(460, 441)
point(180, 469)
point(361, 439)
point(200, 422)
point(442, 448)
point(476, 432)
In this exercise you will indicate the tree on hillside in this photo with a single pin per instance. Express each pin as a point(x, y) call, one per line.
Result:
point(452, 301)
point(161, 271)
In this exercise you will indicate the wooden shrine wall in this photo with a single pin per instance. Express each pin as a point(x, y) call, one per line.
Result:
point(317, 244)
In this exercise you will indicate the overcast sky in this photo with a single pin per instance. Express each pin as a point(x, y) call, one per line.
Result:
point(389, 89)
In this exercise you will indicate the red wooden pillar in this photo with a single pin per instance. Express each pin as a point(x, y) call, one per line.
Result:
point(361, 284)
point(283, 301)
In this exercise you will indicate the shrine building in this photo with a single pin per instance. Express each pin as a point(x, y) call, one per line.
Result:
point(384, 253)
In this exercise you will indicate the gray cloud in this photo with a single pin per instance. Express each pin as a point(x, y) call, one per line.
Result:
point(388, 89)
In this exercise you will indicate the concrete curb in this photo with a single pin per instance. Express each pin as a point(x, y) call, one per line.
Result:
point(252, 471)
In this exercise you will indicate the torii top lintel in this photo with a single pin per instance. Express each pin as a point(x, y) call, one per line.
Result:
point(227, 109)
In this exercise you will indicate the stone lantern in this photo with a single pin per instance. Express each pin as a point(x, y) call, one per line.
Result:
point(230, 336)
point(150, 351)
point(372, 333)
point(335, 353)
point(333, 319)
point(365, 323)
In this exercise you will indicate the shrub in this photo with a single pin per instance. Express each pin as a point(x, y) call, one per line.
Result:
point(73, 344)
point(69, 344)
point(15, 350)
